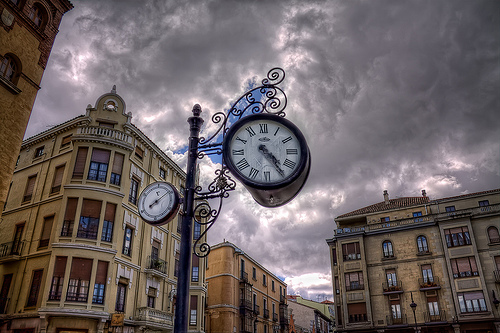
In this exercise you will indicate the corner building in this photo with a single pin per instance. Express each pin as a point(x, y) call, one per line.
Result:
point(412, 263)
point(243, 296)
point(74, 254)
point(28, 29)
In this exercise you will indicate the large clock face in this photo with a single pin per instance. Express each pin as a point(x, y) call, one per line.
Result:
point(158, 203)
point(264, 149)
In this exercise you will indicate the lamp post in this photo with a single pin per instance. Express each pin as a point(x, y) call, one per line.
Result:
point(413, 306)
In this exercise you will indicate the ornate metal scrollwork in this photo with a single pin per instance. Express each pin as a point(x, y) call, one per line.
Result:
point(265, 98)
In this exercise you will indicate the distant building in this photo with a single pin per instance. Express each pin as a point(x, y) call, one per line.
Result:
point(309, 315)
point(243, 296)
point(28, 29)
point(326, 308)
point(74, 253)
point(444, 254)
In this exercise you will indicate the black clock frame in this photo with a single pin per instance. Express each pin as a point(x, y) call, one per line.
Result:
point(173, 212)
point(277, 193)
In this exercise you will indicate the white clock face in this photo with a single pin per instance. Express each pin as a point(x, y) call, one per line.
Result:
point(157, 201)
point(265, 151)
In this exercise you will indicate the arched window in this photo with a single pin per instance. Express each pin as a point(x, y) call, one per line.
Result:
point(422, 244)
point(10, 68)
point(387, 248)
point(493, 235)
point(38, 15)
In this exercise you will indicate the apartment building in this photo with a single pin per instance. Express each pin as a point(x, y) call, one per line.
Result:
point(28, 29)
point(413, 263)
point(308, 316)
point(243, 296)
point(74, 253)
point(326, 308)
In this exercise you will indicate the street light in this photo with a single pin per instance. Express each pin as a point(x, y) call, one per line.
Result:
point(413, 306)
point(496, 302)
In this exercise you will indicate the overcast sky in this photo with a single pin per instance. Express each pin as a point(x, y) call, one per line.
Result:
point(391, 95)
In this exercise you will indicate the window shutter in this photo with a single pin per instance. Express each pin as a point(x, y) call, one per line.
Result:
point(60, 266)
point(454, 266)
point(47, 227)
point(30, 186)
point(497, 262)
point(100, 155)
point(347, 279)
point(81, 269)
point(71, 209)
point(118, 164)
point(58, 176)
point(493, 234)
point(193, 305)
point(473, 265)
point(81, 158)
point(457, 230)
point(91, 208)
point(109, 215)
point(196, 260)
point(356, 308)
point(102, 272)
point(66, 140)
point(473, 295)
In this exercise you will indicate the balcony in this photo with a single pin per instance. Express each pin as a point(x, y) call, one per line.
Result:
point(105, 134)
point(256, 309)
point(429, 283)
point(282, 299)
point(275, 317)
point(497, 276)
point(435, 318)
point(245, 305)
point(266, 313)
point(397, 321)
point(11, 251)
point(153, 316)
point(354, 286)
point(156, 265)
point(244, 277)
point(358, 318)
point(392, 288)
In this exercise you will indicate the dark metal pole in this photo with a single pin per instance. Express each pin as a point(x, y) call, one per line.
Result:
point(413, 306)
point(182, 310)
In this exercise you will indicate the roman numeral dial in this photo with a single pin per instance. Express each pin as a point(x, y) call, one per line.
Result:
point(263, 149)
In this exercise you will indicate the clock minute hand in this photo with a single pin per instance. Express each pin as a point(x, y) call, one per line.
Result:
point(156, 201)
point(271, 158)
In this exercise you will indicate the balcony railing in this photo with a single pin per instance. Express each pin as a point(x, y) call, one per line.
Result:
point(275, 317)
point(497, 276)
point(357, 318)
point(282, 299)
point(153, 315)
point(355, 286)
point(157, 264)
point(392, 288)
point(105, 132)
point(438, 317)
point(244, 276)
point(266, 313)
point(246, 304)
point(398, 320)
point(256, 309)
point(429, 283)
point(11, 249)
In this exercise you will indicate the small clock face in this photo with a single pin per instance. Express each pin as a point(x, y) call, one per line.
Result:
point(264, 149)
point(158, 203)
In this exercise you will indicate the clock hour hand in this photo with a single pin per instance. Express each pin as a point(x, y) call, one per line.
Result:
point(156, 201)
point(271, 158)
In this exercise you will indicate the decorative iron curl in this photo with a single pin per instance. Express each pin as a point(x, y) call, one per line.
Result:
point(265, 98)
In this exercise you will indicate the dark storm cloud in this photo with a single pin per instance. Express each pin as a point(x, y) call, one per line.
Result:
point(396, 95)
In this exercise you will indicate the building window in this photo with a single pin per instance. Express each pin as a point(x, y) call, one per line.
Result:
point(120, 297)
point(195, 268)
point(354, 281)
point(17, 244)
point(4, 293)
point(10, 68)
point(385, 219)
point(272, 285)
point(37, 15)
point(57, 279)
point(66, 141)
point(30, 186)
point(98, 169)
point(418, 216)
point(89, 219)
point(134, 186)
point(57, 182)
point(264, 282)
point(450, 209)
point(193, 306)
point(484, 203)
point(472, 302)
point(396, 312)
point(433, 307)
point(387, 248)
point(116, 171)
point(127, 242)
point(79, 280)
point(109, 219)
point(464, 267)
point(457, 236)
point(36, 282)
point(81, 159)
point(422, 244)
point(176, 267)
point(391, 278)
point(351, 251)
point(100, 282)
point(46, 231)
point(162, 173)
point(357, 312)
point(39, 152)
point(69, 217)
point(151, 297)
point(493, 235)
point(139, 153)
point(197, 230)
point(254, 273)
point(427, 274)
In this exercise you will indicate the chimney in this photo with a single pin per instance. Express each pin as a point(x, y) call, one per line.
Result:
point(423, 193)
point(386, 197)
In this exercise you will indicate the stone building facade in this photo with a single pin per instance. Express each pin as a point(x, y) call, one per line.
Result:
point(441, 255)
point(243, 296)
point(74, 253)
point(28, 29)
